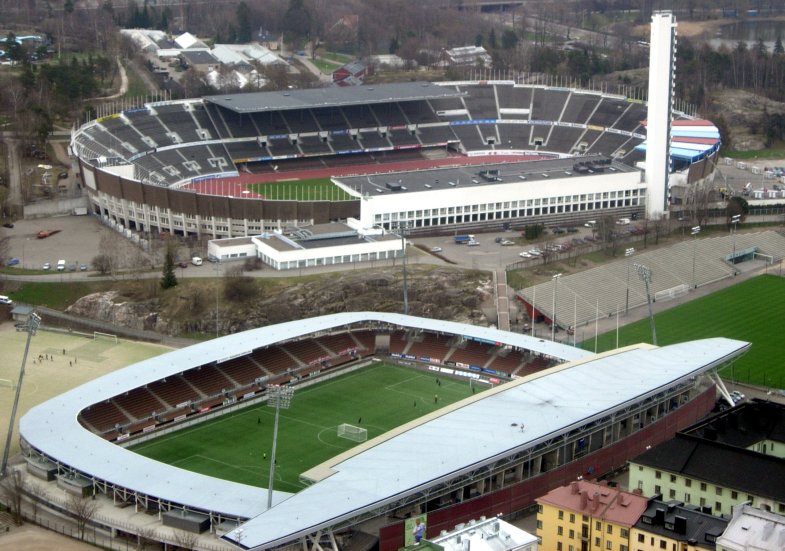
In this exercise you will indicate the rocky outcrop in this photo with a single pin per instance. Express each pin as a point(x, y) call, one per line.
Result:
point(111, 307)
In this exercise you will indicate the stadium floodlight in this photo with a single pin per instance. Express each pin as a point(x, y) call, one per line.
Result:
point(555, 278)
point(403, 231)
point(644, 272)
point(628, 253)
point(31, 326)
point(279, 397)
point(694, 232)
point(735, 219)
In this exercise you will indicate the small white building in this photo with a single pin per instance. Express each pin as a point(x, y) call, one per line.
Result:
point(468, 55)
point(752, 529)
point(491, 534)
point(318, 245)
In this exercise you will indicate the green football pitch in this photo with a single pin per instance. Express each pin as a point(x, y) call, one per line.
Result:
point(317, 189)
point(237, 446)
point(752, 311)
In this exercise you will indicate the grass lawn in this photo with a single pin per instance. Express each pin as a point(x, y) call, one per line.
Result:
point(750, 311)
point(301, 190)
point(337, 57)
point(326, 66)
point(233, 447)
point(777, 151)
point(55, 294)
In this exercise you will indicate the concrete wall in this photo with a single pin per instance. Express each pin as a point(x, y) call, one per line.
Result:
point(55, 207)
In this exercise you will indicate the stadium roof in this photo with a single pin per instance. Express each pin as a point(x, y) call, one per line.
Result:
point(691, 139)
point(259, 102)
point(468, 177)
point(474, 433)
point(52, 427)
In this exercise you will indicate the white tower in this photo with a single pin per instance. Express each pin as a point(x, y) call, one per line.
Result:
point(662, 63)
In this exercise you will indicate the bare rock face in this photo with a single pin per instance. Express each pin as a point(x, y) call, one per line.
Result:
point(110, 307)
point(439, 293)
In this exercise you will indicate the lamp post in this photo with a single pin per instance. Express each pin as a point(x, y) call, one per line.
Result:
point(553, 311)
point(32, 326)
point(279, 397)
point(695, 231)
point(644, 272)
point(628, 253)
point(403, 230)
point(734, 220)
point(217, 267)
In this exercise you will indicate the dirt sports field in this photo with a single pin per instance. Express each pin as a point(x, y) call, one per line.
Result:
point(84, 359)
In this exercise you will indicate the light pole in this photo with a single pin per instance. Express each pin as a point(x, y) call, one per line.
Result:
point(217, 267)
point(695, 231)
point(644, 272)
point(403, 231)
point(628, 253)
point(734, 220)
point(553, 311)
point(279, 397)
point(32, 326)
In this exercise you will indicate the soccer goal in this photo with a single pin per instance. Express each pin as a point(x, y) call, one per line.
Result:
point(98, 335)
point(350, 432)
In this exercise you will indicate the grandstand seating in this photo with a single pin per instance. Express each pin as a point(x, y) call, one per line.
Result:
point(124, 135)
point(271, 123)
point(173, 390)
point(360, 116)
point(607, 113)
point(632, 118)
point(388, 114)
point(337, 343)
point(371, 140)
point(178, 121)
point(608, 143)
point(537, 363)
point(314, 145)
point(203, 120)
point(470, 136)
point(306, 351)
point(402, 137)
point(514, 136)
point(481, 103)
point(547, 105)
point(282, 147)
point(343, 142)
point(241, 370)
point(430, 345)
point(298, 121)
point(472, 353)
point(514, 97)
point(208, 380)
point(139, 403)
point(245, 150)
point(104, 416)
point(274, 359)
point(436, 134)
point(148, 125)
point(418, 112)
point(366, 341)
point(398, 342)
point(507, 361)
point(579, 108)
point(446, 104)
point(330, 118)
point(562, 138)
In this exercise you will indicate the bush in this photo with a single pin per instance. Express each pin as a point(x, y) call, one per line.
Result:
point(239, 287)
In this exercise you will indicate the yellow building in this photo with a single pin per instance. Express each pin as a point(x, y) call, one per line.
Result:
point(587, 516)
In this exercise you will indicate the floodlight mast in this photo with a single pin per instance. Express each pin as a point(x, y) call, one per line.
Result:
point(735, 219)
point(279, 397)
point(403, 231)
point(553, 315)
point(628, 253)
point(644, 272)
point(32, 326)
point(695, 231)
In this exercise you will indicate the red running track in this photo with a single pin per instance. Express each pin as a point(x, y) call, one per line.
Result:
point(236, 187)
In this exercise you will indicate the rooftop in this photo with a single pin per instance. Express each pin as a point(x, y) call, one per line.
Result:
point(257, 102)
point(597, 500)
point(531, 173)
point(752, 528)
point(673, 520)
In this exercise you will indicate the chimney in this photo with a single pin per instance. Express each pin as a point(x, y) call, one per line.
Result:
point(584, 499)
point(596, 501)
point(574, 487)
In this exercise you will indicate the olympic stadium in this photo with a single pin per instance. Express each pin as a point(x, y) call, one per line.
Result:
point(561, 412)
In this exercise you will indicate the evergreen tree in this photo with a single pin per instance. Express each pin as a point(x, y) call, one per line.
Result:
point(778, 48)
point(243, 23)
point(168, 279)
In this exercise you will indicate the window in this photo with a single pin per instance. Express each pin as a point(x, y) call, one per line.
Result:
point(572, 518)
point(663, 544)
point(703, 486)
point(598, 525)
point(558, 546)
point(597, 542)
point(734, 495)
point(559, 531)
point(717, 508)
point(718, 491)
point(572, 534)
point(657, 475)
point(687, 497)
point(539, 508)
point(561, 515)
point(672, 493)
point(687, 482)
point(625, 533)
point(610, 529)
point(539, 525)
point(641, 538)
point(608, 545)
point(673, 478)
point(623, 547)
point(657, 489)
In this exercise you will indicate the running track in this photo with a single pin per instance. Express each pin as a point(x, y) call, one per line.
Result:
point(236, 187)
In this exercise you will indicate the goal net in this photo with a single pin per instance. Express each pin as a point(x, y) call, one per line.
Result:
point(97, 335)
point(350, 432)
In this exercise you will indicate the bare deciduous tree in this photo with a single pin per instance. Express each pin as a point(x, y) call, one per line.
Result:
point(12, 490)
point(83, 510)
point(186, 540)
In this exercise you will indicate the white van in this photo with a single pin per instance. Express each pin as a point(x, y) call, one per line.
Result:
point(623, 222)
point(5, 300)
point(196, 261)
point(60, 265)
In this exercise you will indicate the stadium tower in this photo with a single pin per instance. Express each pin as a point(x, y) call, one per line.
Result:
point(662, 63)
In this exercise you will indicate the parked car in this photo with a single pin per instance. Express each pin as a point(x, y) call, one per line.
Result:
point(183, 264)
point(83, 267)
point(436, 249)
point(507, 243)
point(46, 266)
point(12, 262)
point(5, 300)
point(8, 225)
point(525, 254)
point(473, 243)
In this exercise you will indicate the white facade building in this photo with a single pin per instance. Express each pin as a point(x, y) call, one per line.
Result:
point(662, 60)
point(753, 529)
point(491, 534)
